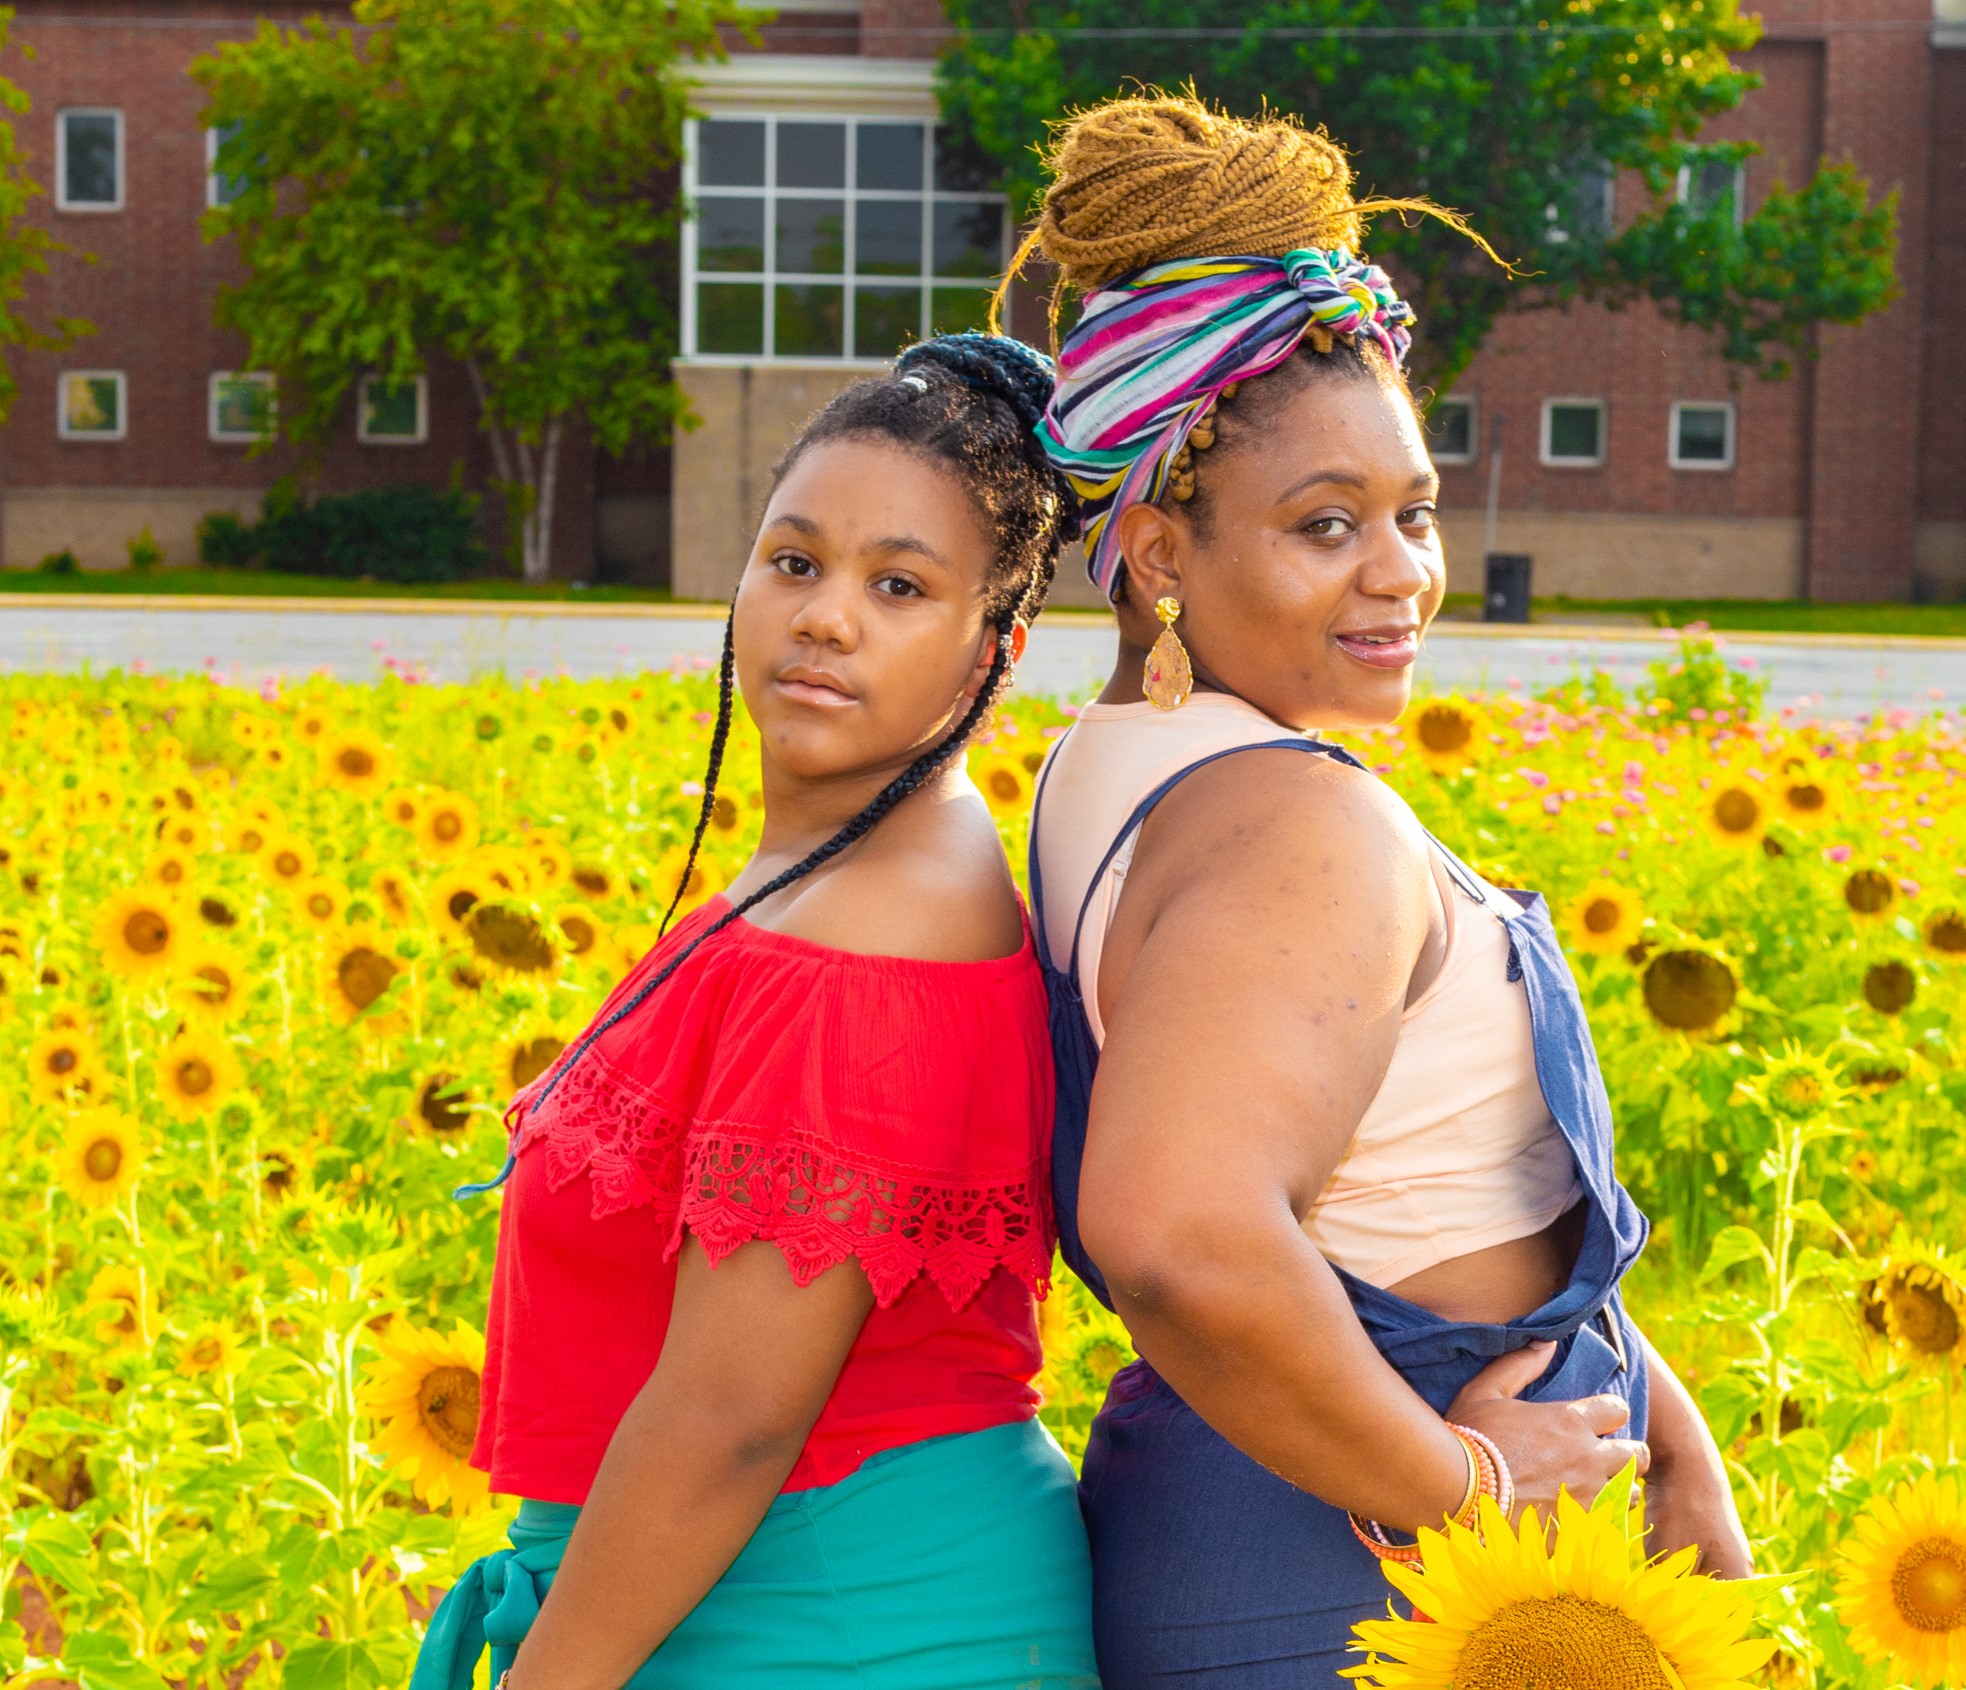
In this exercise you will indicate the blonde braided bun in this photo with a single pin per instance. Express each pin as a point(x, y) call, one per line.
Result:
point(1162, 176)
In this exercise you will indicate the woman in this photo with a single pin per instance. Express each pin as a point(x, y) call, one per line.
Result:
point(1346, 1168)
point(762, 1332)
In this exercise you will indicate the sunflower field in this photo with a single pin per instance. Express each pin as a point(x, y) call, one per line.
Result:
point(272, 961)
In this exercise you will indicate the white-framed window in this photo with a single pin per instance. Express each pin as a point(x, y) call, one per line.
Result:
point(1702, 435)
point(1573, 433)
point(1706, 184)
point(836, 238)
point(1586, 211)
point(92, 405)
point(88, 159)
point(220, 188)
point(241, 405)
point(1451, 430)
point(392, 416)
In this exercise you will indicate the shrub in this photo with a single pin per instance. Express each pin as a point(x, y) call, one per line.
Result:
point(145, 553)
point(63, 562)
point(407, 534)
point(226, 541)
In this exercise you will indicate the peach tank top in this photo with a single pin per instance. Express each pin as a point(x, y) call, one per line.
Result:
point(1458, 1150)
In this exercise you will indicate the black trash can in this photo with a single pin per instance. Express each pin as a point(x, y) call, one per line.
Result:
point(1505, 596)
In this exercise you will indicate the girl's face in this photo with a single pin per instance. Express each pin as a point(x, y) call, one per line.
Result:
point(1318, 566)
point(859, 631)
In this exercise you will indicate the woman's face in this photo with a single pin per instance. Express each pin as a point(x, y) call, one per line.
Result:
point(1317, 565)
point(859, 630)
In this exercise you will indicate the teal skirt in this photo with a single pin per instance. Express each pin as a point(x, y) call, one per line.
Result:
point(957, 1563)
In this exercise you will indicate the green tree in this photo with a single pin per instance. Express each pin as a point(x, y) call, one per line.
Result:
point(479, 179)
point(1520, 113)
point(24, 248)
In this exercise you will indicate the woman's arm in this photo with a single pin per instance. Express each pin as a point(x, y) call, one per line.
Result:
point(1687, 1497)
point(1269, 932)
point(749, 1360)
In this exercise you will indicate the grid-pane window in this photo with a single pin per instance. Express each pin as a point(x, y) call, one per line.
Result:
point(221, 187)
point(833, 237)
point(1713, 184)
point(89, 160)
point(1702, 436)
point(91, 405)
point(391, 416)
point(241, 405)
point(1451, 431)
point(1573, 432)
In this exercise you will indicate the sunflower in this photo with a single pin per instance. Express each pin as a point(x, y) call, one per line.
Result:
point(1869, 892)
point(63, 1063)
point(597, 881)
point(216, 912)
point(100, 1158)
point(171, 869)
point(507, 870)
point(356, 761)
point(395, 892)
point(447, 827)
point(357, 973)
point(550, 863)
point(443, 1105)
point(213, 983)
point(321, 902)
point(1604, 918)
point(287, 859)
point(1501, 1609)
point(453, 898)
point(196, 1072)
point(704, 881)
point(424, 1392)
point(1921, 1300)
point(1890, 987)
point(530, 1055)
point(255, 830)
point(1447, 734)
point(313, 724)
point(725, 816)
point(1004, 783)
point(581, 928)
point(487, 726)
point(121, 1289)
point(210, 1347)
point(188, 833)
point(140, 934)
point(1735, 815)
point(631, 944)
point(510, 936)
point(1688, 990)
point(404, 807)
point(1901, 1581)
point(1945, 933)
point(1805, 799)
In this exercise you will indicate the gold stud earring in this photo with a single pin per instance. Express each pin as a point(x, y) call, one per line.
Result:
point(1169, 677)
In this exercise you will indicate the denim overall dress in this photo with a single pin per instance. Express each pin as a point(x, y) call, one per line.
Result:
point(1210, 1570)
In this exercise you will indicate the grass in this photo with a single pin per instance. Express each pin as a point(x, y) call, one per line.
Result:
point(1769, 616)
point(1775, 616)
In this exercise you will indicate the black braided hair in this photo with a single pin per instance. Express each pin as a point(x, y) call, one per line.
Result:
point(970, 402)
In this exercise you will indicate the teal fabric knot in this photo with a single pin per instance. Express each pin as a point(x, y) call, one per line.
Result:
point(496, 1601)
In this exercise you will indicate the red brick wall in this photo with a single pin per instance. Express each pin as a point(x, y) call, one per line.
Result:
point(1942, 420)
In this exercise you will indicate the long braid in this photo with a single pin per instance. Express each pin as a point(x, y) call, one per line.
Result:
point(719, 738)
point(909, 780)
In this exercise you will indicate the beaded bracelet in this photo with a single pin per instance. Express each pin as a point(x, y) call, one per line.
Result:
point(1488, 1475)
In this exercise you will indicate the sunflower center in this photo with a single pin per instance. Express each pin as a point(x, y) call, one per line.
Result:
point(1928, 1585)
point(447, 825)
point(252, 839)
point(723, 811)
point(1559, 1643)
point(1445, 730)
point(1948, 933)
point(64, 1061)
point(320, 906)
point(509, 937)
point(580, 933)
point(447, 1404)
point(286, 865)
point(1889, 987)
point(364, 975)
point(1688, 990)
point(1923, 1318)
point(1869, 891)
point(194, 1076)
point(1601, 915)
point(171, 873)
point(355, 763)
point(1003, 786)
point(534, 1057)
point(1735, 811)
point(207, 1353)
point(459, 904)
point(102, 1160)
point(215, 978)
point(442, 1110)
point(146, 932)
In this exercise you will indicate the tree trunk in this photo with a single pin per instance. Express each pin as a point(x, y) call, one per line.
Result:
point(528, 477)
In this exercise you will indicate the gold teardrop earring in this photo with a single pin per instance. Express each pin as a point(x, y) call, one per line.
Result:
point(1169, 677)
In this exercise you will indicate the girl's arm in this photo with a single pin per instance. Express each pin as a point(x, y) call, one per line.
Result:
point(749, 1360)
point(1273, 918)
point(1687, 1497)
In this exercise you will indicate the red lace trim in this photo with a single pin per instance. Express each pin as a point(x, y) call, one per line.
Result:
point(730, 1184)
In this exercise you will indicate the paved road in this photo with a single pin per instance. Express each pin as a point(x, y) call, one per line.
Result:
point(245, 643)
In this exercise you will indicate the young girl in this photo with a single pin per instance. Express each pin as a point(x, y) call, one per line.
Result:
point(1346, 1166)
point(762, 1334)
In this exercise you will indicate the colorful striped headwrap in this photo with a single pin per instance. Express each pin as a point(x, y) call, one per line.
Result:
point(1152, 350)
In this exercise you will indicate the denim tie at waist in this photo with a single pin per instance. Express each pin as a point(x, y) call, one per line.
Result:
point(497, 1599)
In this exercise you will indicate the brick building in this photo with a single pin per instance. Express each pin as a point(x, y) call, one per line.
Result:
point(832, 227)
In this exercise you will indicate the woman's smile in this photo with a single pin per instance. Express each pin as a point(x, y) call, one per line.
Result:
point(1390, 647)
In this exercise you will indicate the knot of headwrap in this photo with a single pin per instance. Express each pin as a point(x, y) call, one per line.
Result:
point(1153, 349)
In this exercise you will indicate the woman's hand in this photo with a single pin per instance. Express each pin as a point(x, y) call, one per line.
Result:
point(1549, 1446)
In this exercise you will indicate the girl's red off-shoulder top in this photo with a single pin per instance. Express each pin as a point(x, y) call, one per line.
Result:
point(894, 1111)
